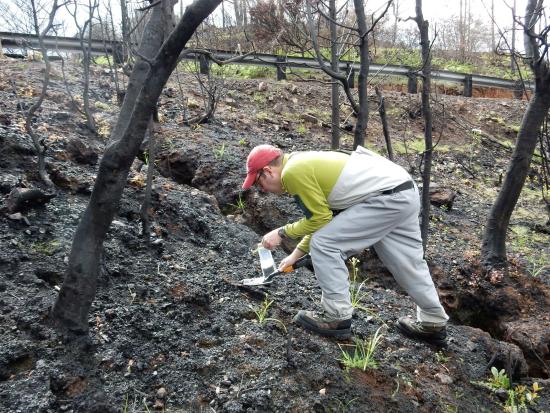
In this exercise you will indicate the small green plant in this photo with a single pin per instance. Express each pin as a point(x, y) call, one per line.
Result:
point(522, 236)
point(441, 357)
point(263, 116)
point(240, 205)
point(355, 290)
point(103, 61)
point(363, 354)
point(46, 248)
point(518, 397)
point(537, 265)
point(521, 396)
point(301, 129)
point(415, 146)
point(145, 405)
point(403, 377)
point(342, 407)
point(514, 128)
point(259, 98)
point(499, 379)
point(218, 153)
point(125, 407)
point(261, 313)
point(242, 141)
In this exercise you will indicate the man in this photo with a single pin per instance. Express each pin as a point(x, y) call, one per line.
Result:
point(350, 202)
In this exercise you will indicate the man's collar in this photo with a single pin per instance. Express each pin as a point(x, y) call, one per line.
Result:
point(286, 157)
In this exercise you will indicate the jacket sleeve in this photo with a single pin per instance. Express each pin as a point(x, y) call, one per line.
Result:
point(303, 185)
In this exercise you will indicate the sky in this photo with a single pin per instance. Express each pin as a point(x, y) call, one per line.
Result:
point(432, 9)
point(439, 9)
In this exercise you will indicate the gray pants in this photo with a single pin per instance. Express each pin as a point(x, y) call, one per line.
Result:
point(390, 224)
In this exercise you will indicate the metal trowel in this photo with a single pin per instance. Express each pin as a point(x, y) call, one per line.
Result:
point(269, 270)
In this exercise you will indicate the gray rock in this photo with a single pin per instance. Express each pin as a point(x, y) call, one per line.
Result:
point(7, 182)
point(444, 378)
point(61, 116)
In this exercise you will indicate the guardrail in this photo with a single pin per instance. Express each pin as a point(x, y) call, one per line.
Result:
point(99, 47)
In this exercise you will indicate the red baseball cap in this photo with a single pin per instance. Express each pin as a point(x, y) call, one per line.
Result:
point(259, 157)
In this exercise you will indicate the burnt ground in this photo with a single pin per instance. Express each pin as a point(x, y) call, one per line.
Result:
point(171, 330)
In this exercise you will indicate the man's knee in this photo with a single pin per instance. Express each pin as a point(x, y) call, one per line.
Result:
point(318, 243)
point(314, 244)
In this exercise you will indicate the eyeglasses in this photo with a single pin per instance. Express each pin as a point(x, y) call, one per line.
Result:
point(260, 174)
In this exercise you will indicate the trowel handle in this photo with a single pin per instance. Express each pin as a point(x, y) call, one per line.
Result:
point(300, 262)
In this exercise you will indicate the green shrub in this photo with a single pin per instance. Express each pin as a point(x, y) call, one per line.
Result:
point(363, 354)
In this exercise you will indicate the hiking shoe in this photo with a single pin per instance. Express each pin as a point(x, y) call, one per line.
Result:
point(436, 335)
point(323, 325)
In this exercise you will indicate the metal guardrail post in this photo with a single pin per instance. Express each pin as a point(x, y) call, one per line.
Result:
point(468, 86)
point(350, 70)
point(118, 54)
point(412, 82)
point(281, 68)
point(518, 90)
point(204, 65)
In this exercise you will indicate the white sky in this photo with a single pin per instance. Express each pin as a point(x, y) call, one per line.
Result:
point(433, 9)
point(439, 9)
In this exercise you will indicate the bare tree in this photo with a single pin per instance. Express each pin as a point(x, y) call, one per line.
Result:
point(395, 9)
point(462, 41)
point(362, 30)
point(276, 20)
point(237, 7)
point(37, 140)
point(125, 27)
point(384, 122)
point(17, 15)
point(151, 41)
point(85, 47)
point(423, 27)
point(335, 90)
point(108, 34)
point(513, 43)
point(71, 309)
point(363, 113)
point(493, 41)
point(493, 250)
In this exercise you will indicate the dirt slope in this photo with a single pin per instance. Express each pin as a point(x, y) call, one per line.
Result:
point(170, 328)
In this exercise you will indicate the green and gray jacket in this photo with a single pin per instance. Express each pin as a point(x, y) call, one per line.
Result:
point(322, 182)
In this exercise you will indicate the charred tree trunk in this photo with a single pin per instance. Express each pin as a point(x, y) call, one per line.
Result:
point(37, 141)
point(151, 156)
point(493, 250)
point(153, 36)
point(513, 45)
point(110, 36)
point(384, 121)
point(494, 239)
point(363, 113)
point(427, 113)
point(341, 77)
point(87, 58)
point(335, 90)
point(126, 41)
point(70, 311)
point(238, 16)
point(395, 7)
point(493, 42)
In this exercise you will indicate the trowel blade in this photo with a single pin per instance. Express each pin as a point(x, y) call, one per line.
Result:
point(255, 281)
point(267, 263)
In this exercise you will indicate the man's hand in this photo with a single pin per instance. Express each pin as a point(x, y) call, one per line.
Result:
point(271, 240)
point(291, 259)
